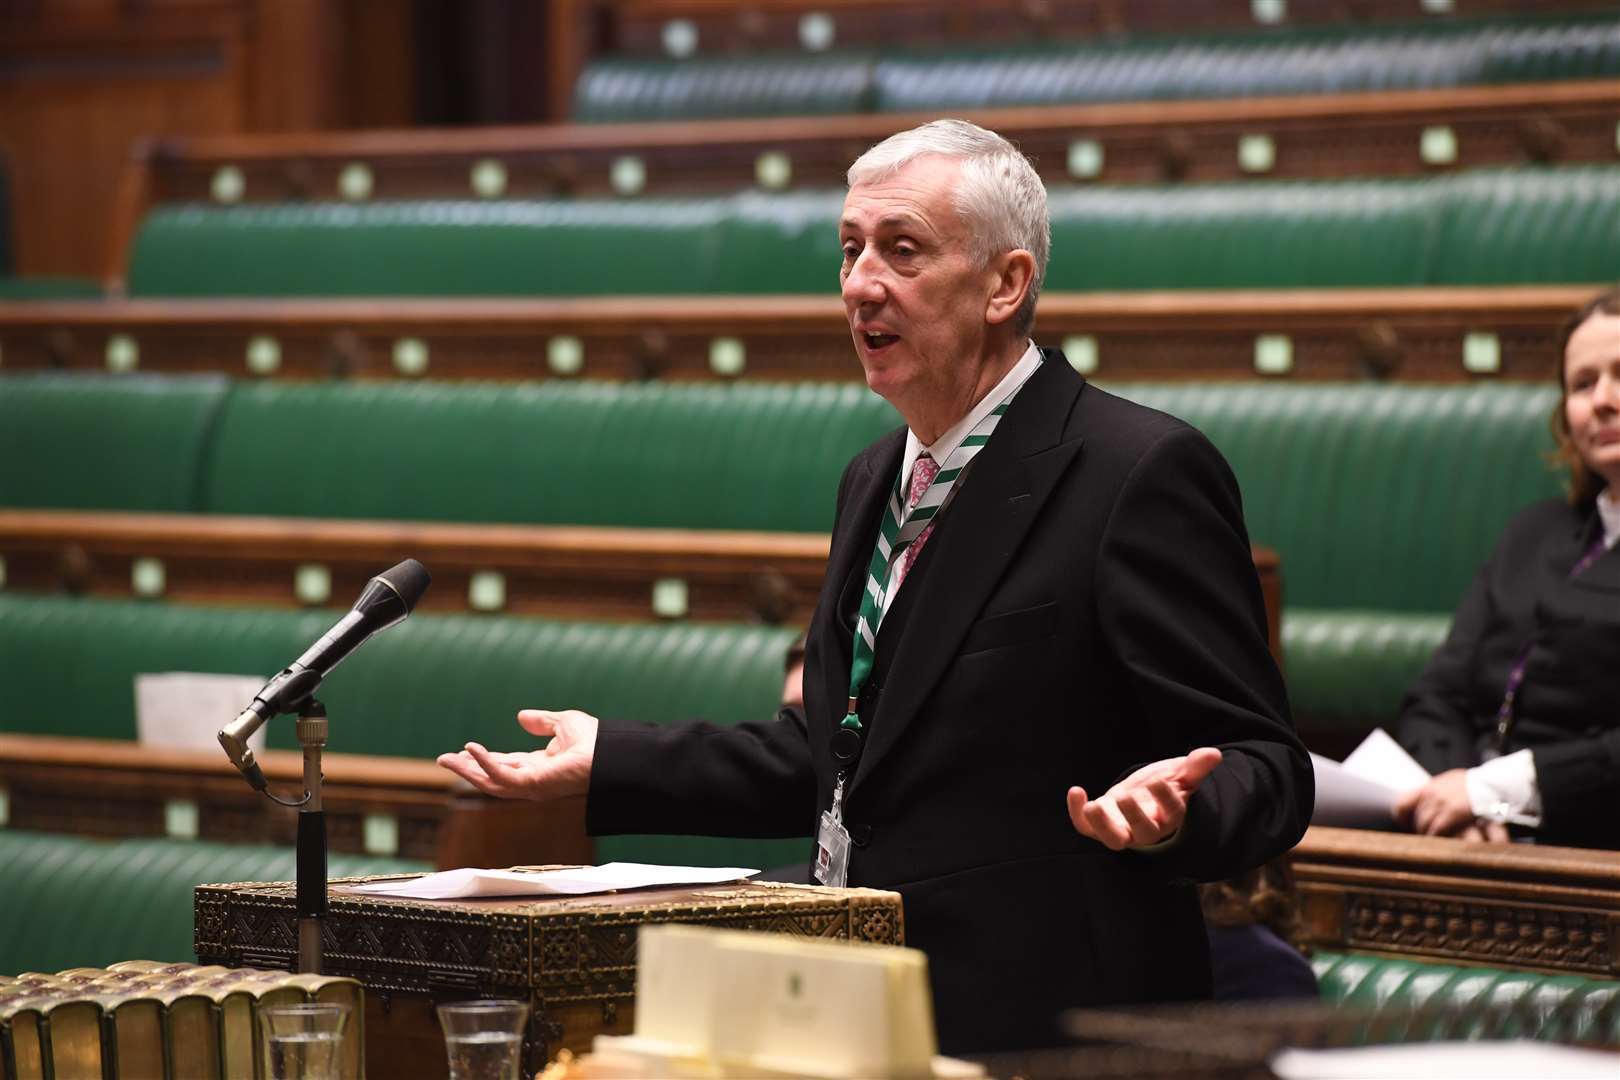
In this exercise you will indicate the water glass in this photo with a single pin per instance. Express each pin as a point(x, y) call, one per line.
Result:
point(303, 1042)
point(484, 1039)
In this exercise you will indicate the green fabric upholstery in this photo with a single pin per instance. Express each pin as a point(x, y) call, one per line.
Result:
point(132, 443)
point(744, 456)
point(70, 901)
point(1263, 62)
point(1493, 226)
point(1376, 496)
point(1562, 1008)
point(1347, 670)
point(426, 686)
point(49, 288)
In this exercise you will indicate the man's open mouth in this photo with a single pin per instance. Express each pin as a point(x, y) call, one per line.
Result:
point(876, 342)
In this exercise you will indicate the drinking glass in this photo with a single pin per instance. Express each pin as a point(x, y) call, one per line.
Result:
point(484, 1039)
point(303, 1042)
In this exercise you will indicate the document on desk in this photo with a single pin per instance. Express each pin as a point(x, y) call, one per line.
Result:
point(1361, 792)
point(470, 883)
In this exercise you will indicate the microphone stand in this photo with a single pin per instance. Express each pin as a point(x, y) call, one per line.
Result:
point(311, 907)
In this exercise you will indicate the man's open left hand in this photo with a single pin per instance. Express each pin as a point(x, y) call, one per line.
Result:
point(1147, 806)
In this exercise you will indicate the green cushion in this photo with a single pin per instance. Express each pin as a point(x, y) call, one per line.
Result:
point(1563, 1008)
point(1494, 226)
point(70, 901)
point(1348, 670)
point(424, 687)
point(743, 456)
point(1268, 61)
point(49, 288)
point(1376, 496)
point(73, 441)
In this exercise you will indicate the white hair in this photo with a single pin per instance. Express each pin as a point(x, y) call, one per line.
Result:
point(999, 196)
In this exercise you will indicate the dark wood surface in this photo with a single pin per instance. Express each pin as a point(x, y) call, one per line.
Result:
point(1341, 334)
point(116, 789)
point(1523, 906)
point(559, 571)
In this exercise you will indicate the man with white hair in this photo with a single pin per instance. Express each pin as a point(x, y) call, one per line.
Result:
point(1037, 592)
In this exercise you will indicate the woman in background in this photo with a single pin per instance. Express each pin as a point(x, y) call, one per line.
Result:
point(1518, 713)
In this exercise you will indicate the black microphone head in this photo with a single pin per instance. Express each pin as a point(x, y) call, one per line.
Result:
point(410, 580)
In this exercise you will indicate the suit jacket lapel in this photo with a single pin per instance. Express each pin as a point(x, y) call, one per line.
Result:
point(978, 537)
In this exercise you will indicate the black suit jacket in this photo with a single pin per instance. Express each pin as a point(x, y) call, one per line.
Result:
point(1568, 708)
point(1087, 604)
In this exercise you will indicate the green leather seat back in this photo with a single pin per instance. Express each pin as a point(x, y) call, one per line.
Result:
point(1349, 669)
point(1471, 1002)
point(740, 456)
point(1264, 62)
point(426, 686)
point(755, 84)
point(70, 901)
point(1375, 496)
point(74, 441)
point(1494, 226)
point(49, 288)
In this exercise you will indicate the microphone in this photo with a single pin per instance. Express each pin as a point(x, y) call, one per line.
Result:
point(386, 600)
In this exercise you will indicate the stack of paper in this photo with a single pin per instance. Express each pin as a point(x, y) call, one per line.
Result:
point(1360, 793)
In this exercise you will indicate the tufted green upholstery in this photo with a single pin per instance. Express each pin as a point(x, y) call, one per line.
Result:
point(1275, 61)
point(424, 687)
point(1347, 670)
point(742, 456)
point(1562, 1008)
point(69, 901)
point(132, 443)
point(1496, 226)
point(1376, 496)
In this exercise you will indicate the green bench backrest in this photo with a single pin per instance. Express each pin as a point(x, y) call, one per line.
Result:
point(1274, 61)
point(70, 901)
point(426, 686)
point(132, 443)
point(1375, 496)
point(1499, 226)
point(1488, 1002)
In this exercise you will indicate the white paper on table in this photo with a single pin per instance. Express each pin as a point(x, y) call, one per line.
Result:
point(187, 708)
point(1485, 1060)
point(1381, 759)
point(576, 881)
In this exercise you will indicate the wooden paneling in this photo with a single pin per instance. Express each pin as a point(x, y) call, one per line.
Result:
point(1514, 906)
point(81, 81)
point(113, 789)
point(1399, 334)
point(558, 571)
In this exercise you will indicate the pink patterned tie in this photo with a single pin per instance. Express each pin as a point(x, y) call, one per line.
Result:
point(922, 475)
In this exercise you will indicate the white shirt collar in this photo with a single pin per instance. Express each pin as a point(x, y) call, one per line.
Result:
point(1608, 505)
point(947, 443)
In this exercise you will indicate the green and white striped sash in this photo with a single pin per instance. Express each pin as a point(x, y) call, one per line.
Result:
point(900, 526)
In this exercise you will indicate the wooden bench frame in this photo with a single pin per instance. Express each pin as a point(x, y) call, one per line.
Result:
point(1317, 136)
point(558, 571)
point(113, 789)
point(1340, 334)
point(1519, 906)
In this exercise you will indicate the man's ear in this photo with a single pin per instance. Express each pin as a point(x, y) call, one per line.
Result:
point(1014, 271)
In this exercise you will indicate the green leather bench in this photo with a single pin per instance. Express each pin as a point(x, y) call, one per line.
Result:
point(1263, 62)
point(426, 686)
point(69, 901)
point(1381, 500)
point(1559, 1008)
point(1489, 226)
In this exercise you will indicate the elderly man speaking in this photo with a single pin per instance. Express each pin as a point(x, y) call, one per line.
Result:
point(1038, 698)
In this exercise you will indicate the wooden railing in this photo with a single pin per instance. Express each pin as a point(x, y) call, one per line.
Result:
point(1515, 906)
point(1403, 334)
point(378, 805)
point(1329, 135)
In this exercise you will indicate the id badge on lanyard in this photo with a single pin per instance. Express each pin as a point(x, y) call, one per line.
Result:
point(832, 842)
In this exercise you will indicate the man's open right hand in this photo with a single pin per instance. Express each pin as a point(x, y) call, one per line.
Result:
point(562, 769)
